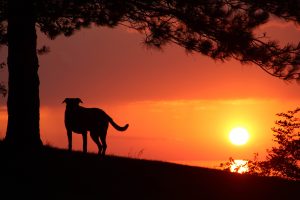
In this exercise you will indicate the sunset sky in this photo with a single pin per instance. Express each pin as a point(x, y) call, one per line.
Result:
point(179, 106)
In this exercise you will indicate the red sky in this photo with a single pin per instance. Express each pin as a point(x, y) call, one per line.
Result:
point(179, 106)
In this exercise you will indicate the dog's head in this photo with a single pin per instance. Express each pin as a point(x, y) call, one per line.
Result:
point(72, 102)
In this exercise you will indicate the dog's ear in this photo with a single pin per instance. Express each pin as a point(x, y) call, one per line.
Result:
point(65, 101)
point(79, 100)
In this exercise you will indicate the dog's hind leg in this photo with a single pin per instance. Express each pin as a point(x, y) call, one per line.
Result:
point(84, 142)
point(103, 140)
point(95, 138)
point(102, 133)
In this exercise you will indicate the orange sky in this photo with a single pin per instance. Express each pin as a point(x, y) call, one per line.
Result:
point(179, 106)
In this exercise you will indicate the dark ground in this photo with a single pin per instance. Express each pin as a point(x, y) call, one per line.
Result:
point(58, 174)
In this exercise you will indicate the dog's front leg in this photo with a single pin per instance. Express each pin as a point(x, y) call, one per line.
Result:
point(84, 141)
point(69, 132)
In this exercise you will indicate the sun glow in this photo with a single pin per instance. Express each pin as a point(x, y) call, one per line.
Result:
point(239, 136)
point(239, 166)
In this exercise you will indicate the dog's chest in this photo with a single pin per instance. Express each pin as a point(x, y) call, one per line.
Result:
point(77, 121)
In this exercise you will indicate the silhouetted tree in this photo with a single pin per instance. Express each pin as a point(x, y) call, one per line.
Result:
point(221, 29)
point(3, 89)
point(284, 158)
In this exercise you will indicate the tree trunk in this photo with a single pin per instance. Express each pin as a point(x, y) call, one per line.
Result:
point(23, 84)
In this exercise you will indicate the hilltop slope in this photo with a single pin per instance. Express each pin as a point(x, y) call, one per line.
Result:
point(58, 174)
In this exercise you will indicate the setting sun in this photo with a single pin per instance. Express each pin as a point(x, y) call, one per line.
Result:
point(238, 136)
point(239, 166)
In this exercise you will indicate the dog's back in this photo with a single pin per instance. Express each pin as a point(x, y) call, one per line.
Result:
point(81, 119)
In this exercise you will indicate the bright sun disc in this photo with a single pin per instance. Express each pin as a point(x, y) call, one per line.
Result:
point(238, 136)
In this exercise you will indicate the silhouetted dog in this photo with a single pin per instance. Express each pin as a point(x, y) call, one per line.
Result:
point(80, 120)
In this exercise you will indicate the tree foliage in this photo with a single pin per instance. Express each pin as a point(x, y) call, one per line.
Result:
point(220, 29)
point(284, 158)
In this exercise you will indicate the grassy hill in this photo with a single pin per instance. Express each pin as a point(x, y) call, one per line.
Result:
point(58, 174)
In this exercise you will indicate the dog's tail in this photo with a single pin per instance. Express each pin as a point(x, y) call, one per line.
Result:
point(116, 126)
